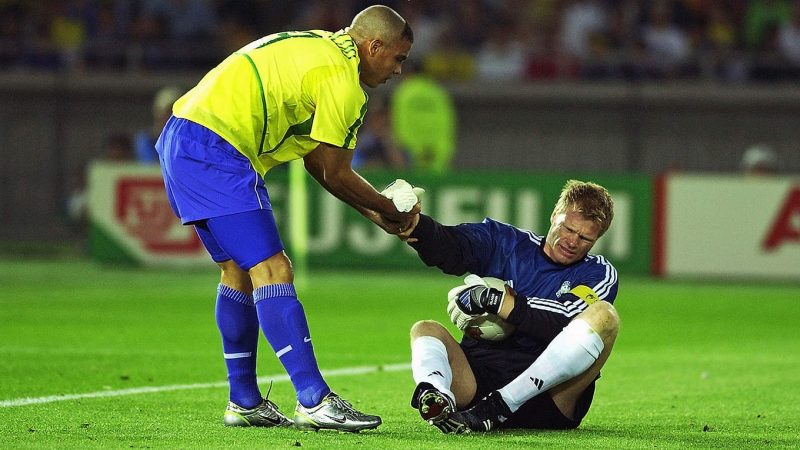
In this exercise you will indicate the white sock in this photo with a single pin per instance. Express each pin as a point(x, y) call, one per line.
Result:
point(569, 354)
point(429, 364)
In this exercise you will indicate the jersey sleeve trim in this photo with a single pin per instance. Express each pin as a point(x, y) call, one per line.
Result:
point(604, 288)
point(569, 306)
point(351, 132)
point(542, 319)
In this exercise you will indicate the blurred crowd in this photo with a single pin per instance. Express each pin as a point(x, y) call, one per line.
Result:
point(455, 40)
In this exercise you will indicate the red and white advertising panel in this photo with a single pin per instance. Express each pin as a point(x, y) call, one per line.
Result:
point(129, 207)
point(727, 226)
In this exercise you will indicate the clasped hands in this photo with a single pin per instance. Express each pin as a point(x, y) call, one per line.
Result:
point(406, 199)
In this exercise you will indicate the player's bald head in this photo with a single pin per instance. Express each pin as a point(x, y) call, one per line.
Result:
point(380, 22)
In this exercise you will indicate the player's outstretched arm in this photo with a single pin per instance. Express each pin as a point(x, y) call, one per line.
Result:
point(331, 167)
point(441, 246)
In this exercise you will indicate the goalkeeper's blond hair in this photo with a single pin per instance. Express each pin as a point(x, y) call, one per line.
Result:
point(590, 199)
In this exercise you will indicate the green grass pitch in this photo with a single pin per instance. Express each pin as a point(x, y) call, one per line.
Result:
point(696, 365)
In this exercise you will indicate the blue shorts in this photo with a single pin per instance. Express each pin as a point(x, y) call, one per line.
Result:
point(214, 187)
point(247, 238)
point(204, 175)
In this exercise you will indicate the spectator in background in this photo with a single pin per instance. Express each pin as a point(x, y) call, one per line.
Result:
point(428, 26)
point(423, 119)
point(666, 45)
point(596, 40)
point(502, 56)
point(447, 60)
point(789, 38)
point(12, 16)
point(69, 28)
point(761, 17)
point(760, 159)
point(594, 37)
point(376, 146)
point(145, 139)
point(38, 45)
point(105, 47)
point(720, 47)
point(472, 18)
point(581, 22)
point(320, 15)
point(176, 33)
point(541, 25)
point(182, 19)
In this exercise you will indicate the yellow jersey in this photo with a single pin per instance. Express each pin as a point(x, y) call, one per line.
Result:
point(278, 97)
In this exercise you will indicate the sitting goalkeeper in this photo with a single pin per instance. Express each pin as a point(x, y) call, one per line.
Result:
point(556, 296)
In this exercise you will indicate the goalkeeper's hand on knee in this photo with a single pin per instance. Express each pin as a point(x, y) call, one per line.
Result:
point(478, 295)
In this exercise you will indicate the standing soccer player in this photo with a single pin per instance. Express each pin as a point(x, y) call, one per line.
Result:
point(557, 296)
point(286, 96)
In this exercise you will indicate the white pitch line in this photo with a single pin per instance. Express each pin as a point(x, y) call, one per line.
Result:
point(277, 378)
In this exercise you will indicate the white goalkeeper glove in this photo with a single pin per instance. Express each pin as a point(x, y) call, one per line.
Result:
point(403, 194)
point(459, 319)
point(477, 296)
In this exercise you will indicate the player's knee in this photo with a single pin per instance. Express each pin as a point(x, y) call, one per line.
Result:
point(603, 318)
point(428, 328)
point(273, 270)
point(234, 277)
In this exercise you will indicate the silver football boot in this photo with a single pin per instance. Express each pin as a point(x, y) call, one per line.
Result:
point(266, 414)
point(334, 413)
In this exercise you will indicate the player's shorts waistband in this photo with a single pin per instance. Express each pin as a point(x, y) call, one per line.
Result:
point(200, 134)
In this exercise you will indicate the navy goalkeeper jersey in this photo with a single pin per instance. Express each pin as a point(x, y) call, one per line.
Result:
point(503, 251)
point(496, 249)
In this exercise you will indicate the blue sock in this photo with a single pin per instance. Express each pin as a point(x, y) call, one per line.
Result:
point(283, 322)
point(238, 323)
